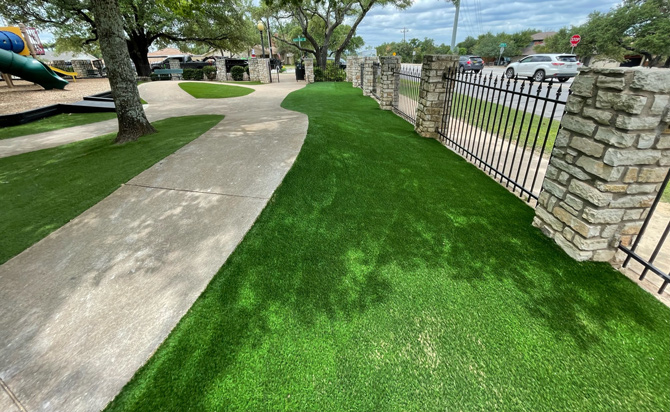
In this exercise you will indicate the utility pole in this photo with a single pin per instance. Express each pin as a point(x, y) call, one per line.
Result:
point(457, 3)
point(403, 31)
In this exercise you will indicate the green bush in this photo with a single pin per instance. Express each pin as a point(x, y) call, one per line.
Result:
point(237, 72)
point(332, 73)
point(210, 72)
point(192, 74)
point(153, 77)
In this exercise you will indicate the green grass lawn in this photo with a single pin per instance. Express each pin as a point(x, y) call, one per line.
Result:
point(213, 91)
point(388, 274)
point(48, 124)
point(41, 191)
point(248, 83)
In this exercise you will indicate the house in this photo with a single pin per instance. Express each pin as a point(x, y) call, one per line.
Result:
point(537, 39)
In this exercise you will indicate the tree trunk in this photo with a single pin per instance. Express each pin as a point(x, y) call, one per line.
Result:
point(133, 122)
point(667, 63)
point(138, 47)
point(322, 57)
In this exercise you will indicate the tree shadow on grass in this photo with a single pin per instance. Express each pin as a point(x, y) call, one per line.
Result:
point(362, 199)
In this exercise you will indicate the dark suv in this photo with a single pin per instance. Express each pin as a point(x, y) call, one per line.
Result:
point(467, 63)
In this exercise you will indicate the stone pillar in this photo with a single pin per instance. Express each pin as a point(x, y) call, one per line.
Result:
point(432, 93)
point(354, 71)
point(259, 70)
point(390, 67)
point(608, 161)
point(367, 75)
point(221, 73)
point(82, 67)
point(174, 64)
point(309, 70)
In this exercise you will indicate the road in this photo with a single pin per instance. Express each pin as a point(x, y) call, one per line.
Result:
point(510, 99)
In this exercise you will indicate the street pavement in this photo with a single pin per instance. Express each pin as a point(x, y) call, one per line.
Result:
point(88, 305)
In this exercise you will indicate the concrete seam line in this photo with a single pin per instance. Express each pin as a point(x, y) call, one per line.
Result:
point(195, 191)
point(12, 396)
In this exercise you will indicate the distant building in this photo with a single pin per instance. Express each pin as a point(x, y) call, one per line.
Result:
point(537, 39)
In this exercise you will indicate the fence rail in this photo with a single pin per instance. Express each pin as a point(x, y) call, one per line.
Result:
point(644, 255)
point(506, 127)
point(407, 101)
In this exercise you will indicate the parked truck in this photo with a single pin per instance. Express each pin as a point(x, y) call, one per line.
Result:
point(185, 62)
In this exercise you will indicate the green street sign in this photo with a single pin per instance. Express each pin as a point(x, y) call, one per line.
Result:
point(503, 44)
point(300, 39)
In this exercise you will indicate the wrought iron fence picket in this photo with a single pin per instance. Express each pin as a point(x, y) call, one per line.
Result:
point(409, 81)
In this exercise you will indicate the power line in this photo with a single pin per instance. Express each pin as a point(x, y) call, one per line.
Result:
point(403, 31)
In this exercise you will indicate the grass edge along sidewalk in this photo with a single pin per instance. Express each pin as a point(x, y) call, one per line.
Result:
point(201, 90)
point(388, 274)
point(43, 190)
point(57, 122)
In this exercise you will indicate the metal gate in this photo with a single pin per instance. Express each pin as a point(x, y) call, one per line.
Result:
point(407, 101)
point(506, 127)
point(647, 253)
point(376, 78)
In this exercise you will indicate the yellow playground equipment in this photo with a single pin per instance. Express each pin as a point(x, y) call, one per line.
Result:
point(63, 72)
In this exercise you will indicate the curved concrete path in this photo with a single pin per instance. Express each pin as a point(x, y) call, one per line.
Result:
point(85, 307)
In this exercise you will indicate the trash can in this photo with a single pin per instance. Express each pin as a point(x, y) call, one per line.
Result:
point(299, 72)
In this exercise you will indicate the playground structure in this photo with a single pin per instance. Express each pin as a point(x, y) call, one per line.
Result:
point(16, 44)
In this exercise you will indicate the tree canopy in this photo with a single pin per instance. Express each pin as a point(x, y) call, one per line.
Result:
point(145, 22)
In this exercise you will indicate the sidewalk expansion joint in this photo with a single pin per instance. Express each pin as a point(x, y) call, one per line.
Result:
point(12, 396)
point(196, 191)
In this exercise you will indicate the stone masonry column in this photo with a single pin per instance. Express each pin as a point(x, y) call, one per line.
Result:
point(81, 67)
point(367, 75)
point(309, 70)
point(432, 93)
point(258, 70)
point(354, 71)
point(608, 162)
point(174, 64)
point(221, 74)
point(390, 66)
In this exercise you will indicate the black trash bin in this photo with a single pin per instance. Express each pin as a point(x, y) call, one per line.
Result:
point(299, 72)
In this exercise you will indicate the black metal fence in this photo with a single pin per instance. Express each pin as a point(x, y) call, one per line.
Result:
point(376, 79)
point(409, 83)
point(644, 255)
point(506, 127)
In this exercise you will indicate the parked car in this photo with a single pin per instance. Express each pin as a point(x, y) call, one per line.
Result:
point(542, 66)
point(470, 63)
point(185, 62)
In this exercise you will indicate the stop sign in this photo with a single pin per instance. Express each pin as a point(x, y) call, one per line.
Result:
point(575, 40)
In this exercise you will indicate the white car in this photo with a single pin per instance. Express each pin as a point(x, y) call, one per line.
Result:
point(543, 66)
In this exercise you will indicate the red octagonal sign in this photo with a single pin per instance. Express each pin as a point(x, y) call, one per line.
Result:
point(575, 40)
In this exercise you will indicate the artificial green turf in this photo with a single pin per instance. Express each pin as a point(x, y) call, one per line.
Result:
point(213, 91)
point(41, 191)
point(57, 122)
point(387, 274)
point(248, 83)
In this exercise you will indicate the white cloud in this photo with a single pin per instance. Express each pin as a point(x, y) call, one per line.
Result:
point(434, 18)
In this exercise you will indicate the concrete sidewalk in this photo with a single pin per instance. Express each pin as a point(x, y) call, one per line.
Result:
point(85, 307)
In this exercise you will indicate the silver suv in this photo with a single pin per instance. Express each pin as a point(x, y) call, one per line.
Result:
point(544, 66)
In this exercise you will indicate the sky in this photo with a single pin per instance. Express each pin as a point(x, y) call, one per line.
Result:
point(434, 18)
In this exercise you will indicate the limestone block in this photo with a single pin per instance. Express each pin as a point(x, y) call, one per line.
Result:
point(646, 140)
point(652, 175)
point(612, 187)
point(549, 219)
point(642, 188)
point(610, 231)
point(637, 122)
point(660, 104)
point(590, 244)
point(571, 250)
point(552, 172)
point(589, 193)
point(578, 124)
point(633, 214)
point(603, 255)
point(569, 208)
point(574, 201)
point(615, 137)
point(587, 146)
point(553, 188)
point(628, 103)
point(573, 170)
point(631, 228)
point(633, 201)
point(562, 138)
point(583, 85)
point(619, 157)
point(600, 116)
point(631, 175)
point(618, 83)
point(600, 169)
point(574, 104)
point(568, 233)
point(651, 80)
point(603, 215)
point(584, 229)
point(663, 141)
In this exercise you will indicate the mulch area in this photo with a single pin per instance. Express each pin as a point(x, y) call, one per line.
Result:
point(27, 95)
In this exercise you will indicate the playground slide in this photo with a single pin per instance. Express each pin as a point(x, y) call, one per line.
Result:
point(30, 69)
point(71, 74)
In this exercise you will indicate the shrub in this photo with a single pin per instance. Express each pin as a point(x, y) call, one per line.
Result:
point(210, 72)
point(332, 73)
point(237, 72)
point(153, 77)
point(192, 74)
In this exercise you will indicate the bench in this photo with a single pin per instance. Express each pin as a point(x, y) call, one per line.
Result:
point(167, 73)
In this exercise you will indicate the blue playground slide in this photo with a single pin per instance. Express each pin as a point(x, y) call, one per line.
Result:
point(26, 68)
